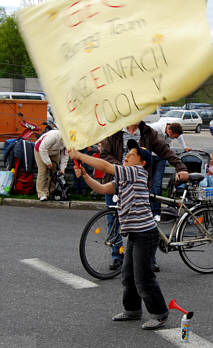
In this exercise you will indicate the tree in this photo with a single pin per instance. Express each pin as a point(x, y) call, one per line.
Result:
point(14, 59)
point(204, 94)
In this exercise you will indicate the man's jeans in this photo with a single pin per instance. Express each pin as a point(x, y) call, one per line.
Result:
point(158, 168)
point(138, 280)
point(110, 219)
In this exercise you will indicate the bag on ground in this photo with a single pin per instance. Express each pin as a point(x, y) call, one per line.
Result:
point(24, 181)
point(6, 182)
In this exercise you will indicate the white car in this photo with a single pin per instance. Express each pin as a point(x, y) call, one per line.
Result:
point(189, 119)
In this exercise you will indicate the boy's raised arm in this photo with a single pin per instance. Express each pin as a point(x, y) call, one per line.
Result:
point(96, 163)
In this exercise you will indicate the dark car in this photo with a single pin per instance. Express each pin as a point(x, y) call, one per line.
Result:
point(206, 115)
point(190, 106)
point(211, 127)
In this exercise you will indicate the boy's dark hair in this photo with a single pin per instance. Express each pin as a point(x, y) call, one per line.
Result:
point(176, 128)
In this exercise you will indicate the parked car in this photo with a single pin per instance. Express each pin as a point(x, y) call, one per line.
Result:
point(211, 127)
point(189, 120)
point(154, 117)
point(190, 106)
point(164, 109)
point(27, 96)
point(22, 95)
point(206, 115)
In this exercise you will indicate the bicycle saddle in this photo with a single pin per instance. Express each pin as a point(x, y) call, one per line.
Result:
point(195, 178)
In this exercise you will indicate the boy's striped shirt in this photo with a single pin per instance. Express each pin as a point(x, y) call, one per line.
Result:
point(134, 208)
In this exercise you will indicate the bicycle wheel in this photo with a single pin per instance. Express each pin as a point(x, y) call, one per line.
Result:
point(96, 245)
point(197, 254)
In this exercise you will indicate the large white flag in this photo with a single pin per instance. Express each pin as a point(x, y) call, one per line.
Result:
point(106, 64)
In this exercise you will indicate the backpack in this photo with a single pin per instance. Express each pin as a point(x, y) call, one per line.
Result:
point(62, 190)
point(24, 181)
point(7, 143)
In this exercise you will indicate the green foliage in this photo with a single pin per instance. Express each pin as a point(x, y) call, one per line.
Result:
point(205, 93)
point(14, 59)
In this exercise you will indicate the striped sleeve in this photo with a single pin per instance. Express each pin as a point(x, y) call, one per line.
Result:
point(127, 174)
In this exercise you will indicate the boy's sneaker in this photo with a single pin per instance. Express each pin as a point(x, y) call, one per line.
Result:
point(154, 324)
point(127, 315)
point(155, 267)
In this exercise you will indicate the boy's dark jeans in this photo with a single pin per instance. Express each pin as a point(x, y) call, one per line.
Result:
point(137, 277)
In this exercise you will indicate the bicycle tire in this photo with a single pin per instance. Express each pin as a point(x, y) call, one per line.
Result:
point(95, 255)
point(197, 256)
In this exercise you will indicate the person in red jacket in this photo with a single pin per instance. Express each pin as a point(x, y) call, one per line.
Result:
point(97, 174)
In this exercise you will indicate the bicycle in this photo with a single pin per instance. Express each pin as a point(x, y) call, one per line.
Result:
point(191, 233)
point(59, 190)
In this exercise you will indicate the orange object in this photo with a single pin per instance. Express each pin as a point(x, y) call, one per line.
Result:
point(173, 305)
point(200, 219)
point(98, 230)
point(14, 111)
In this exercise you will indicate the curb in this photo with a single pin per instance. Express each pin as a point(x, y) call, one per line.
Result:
point(81, 205)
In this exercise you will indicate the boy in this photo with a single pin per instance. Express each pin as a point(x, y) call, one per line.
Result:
point(135, 217)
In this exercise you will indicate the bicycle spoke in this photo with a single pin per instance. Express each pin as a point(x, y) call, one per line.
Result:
point(97, 244)
point(198, 254)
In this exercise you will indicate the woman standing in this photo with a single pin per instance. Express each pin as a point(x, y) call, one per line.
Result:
point(49, 148)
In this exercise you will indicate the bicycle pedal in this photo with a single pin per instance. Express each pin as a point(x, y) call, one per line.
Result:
point(163, 247)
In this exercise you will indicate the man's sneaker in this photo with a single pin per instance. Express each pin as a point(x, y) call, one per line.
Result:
point(127, 315)
point(117, 263)
point(155, 267)
point(154, 324)
point(43, 198)
point(157, 218)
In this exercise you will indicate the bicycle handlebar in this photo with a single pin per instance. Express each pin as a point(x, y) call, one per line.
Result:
point(30, 125)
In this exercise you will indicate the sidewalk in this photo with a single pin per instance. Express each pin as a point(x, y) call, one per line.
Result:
point(52, 204)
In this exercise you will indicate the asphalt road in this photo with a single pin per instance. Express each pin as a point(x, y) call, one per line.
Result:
point(38, 311)
point(197, 141)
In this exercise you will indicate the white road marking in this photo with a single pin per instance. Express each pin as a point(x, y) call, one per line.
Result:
point(174, 336)
point(59, 274)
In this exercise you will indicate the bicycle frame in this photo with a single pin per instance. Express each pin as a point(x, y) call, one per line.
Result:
point(113, 235)
point(191, 234)
point(180, 203)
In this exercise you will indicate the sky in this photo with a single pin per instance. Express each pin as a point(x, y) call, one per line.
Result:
point(210, 13)
point(8, 3)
